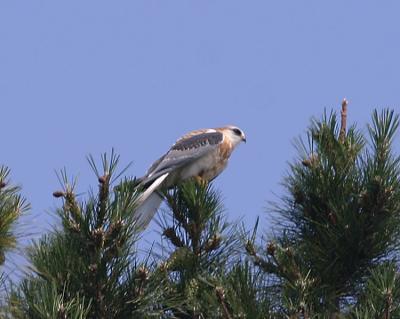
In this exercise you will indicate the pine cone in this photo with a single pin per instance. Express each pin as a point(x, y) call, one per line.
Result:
point(58, 194)
point(271, 247)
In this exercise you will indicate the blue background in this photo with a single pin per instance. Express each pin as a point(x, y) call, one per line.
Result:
point(82, 77)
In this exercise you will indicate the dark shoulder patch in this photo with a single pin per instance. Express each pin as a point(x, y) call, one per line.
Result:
point(198, 140)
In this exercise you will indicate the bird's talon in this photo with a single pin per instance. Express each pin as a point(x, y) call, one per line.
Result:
point(201, 181)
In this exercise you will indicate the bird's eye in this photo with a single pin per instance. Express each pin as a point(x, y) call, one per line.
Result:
point(237, 131)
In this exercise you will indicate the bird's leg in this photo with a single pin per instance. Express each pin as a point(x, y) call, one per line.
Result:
point(200, 180)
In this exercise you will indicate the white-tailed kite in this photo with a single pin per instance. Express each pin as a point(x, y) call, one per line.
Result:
point(201, 154)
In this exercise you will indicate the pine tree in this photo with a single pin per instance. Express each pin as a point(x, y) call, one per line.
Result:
point(201, 245)
point(380, 296)
point(339, 222)
point(12, 205)
point(89, 268)
point(204, 267)
point(333, 252)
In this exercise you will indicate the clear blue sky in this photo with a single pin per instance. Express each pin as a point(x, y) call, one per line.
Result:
point(80, 77)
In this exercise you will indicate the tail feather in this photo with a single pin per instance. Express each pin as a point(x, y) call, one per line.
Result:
point(148, 203)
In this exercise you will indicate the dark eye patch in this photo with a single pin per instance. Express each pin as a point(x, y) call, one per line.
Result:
point(237, 131)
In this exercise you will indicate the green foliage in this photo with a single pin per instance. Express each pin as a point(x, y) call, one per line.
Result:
point(248, 292)
point(340, 216)
point(89, 266)
point(333, 253)
point(381, 295)
point(12, 205)
point(44, 301)
point(201, 246)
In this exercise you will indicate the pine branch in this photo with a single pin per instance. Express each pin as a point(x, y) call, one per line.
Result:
point(200, 246)
point(92, 256)
point(12, 206)
point(343, 123)
point(340, 215)
point(381, 294)
point(219, 291)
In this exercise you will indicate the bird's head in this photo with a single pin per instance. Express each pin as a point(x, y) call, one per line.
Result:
point(235, 134)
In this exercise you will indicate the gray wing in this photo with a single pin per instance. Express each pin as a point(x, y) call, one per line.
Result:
point(184, 152)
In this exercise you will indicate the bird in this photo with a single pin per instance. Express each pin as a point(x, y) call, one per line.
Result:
point(200, 154)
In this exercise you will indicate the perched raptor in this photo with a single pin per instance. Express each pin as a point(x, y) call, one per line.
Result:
point(201, 154)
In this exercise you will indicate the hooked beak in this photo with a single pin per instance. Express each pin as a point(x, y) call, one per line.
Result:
point(244, 139)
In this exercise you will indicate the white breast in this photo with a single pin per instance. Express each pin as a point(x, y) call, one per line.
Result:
point(201, 165)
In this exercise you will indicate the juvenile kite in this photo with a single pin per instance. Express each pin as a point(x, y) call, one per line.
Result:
point(201, 154)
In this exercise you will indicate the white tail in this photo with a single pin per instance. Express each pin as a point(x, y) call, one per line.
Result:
point(148, 203)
